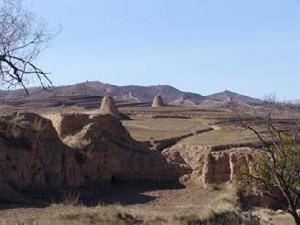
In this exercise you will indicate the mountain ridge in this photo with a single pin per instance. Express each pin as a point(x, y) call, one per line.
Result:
point(129, 93)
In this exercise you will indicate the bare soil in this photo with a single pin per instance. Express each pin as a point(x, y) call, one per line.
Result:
point(150, 124)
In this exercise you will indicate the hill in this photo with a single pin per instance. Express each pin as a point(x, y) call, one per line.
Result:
point(131, 93)
point(228, 95)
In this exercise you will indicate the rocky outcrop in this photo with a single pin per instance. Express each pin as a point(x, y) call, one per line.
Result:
point(175, 159)
point(210, 168)
point(222, 167)
point(94, 150)
point(69, 123)
point(226, 166)
point(218, 167)
point(32, 156)
point(109, 146)
point(157, 102)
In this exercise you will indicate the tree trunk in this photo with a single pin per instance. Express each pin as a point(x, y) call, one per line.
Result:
point(296, 218)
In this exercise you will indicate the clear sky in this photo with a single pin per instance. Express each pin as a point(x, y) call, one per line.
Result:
point(248, 46)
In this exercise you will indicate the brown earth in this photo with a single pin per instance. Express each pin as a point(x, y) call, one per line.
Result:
point(157, 101)
point(82, 148)
point(108, 106)
point(34, 159)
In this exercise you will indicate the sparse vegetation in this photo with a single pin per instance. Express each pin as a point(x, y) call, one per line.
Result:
point(80, 215)
point(71, 199)
point(218, 204)
point(174, 207)
point(279, 167)
point(96, 153)
point(162, 128)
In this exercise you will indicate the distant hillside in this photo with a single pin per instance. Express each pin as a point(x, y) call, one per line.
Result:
point(296, 102)
point(228, 95)
point(132, 93)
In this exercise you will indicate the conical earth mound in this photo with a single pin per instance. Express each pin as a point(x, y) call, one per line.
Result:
point(157, 101)
point(108, 106)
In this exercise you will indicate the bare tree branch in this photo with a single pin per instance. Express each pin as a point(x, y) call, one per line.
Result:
point(22, 38)
point(279, 166)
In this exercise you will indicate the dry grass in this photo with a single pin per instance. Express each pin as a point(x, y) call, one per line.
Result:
point(72, 199)
point(109, 215)
point(222, 136)
point(162, 128)
point(171, 207)
point(268, 216)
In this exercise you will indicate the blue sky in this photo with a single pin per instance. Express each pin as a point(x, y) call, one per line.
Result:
point(248, 46)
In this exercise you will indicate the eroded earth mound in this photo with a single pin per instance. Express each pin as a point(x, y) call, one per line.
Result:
point(157, 102)
point(108, 106)
point(86, 151)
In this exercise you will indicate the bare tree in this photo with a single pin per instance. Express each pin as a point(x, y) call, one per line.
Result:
point(279, 166)
point(270, 99)
point(22, 38)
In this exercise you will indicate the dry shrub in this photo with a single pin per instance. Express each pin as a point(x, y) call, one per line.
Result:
point(71, 199)
point(117, 215)
point(221, 218)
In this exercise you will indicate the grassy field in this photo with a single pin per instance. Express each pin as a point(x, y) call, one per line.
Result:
point(222, 136)
point(162, 128)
